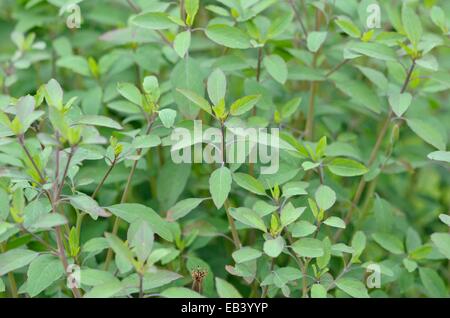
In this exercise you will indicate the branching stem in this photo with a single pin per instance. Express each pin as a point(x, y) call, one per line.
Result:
point(373, 155)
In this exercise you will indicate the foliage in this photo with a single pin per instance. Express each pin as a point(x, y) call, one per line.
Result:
point(92, 204)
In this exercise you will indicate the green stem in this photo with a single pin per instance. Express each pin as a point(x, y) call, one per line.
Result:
point(373, 155)
point(99, 186)
point(125, 192)
point(11, 279)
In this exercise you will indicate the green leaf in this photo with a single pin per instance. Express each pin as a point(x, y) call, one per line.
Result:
point(294, 188)
point(411, 24)
point(290, 107)
point(106, 290)
point(420, 252)
point(409, 265)
point(308, 247)
point(428, 62)
point(318, 291)
point(249, 183)
point(360, 93)
point(244, 104)
point(15, 259)
point(374, 50)
point(220, 185)
point(315, 40)
point(290, 214)
point(274, 247)
point(153, 20)
point(439, 19)
point(172, 180)
point(323, 261)
point(248, 217)
point(43, 271)
point(182, 208)
point(389, 242)
point(54, 93)
point(130, 92)
point(150, 86)
point(158, 279)
point(95, 245)
point(353, 287)
point(140, 239)
point(348, 27)
point(196, 99)
point(87, 204)
point(187, 75)
point(445, 218)
point(276, 67)
point(358, 245)
point(228, 36)
point(167, 117)
point(279, 25)
point(182, 42)
point(427, 132)
point(346, 167)
point(120, 248)
point(246, 254)
point(302, 229)
point(47, 221)
point(325, 197)
point(226, 290)
point(191, 7)
point(439, 156)
point(442, 242)
point(130, 212)
point(147, 141)
point(217, 86)
point(95, 277)
point(433, 284)
point(77, 64)
point(400, 102)
point(96, 120)
point(334, 221)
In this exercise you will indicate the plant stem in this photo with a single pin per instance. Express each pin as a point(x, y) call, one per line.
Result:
point(234, 233)
point(55, 198)
point(99, 186)
point(66, 169)
point(266, 288)
point(336, 67)
point(39, 239)
point(298, 17)
point(11, 279)
point(373, 155)
point(141, 285)
point(38, 171)
point(310, 116)
point(309, 127)
point(125, 191)
point(258, 65)
point(60, 245)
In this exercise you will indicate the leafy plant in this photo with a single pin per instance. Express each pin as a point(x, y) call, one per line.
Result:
point(93, 204)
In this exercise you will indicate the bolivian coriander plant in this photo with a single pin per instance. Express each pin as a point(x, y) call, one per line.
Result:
point(224, 148)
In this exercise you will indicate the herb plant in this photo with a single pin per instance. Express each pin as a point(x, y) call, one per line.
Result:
point(93, 203)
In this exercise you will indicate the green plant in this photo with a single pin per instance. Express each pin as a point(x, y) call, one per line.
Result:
point(93, 204)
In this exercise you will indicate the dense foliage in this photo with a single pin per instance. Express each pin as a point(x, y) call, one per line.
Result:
point(93, 204)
